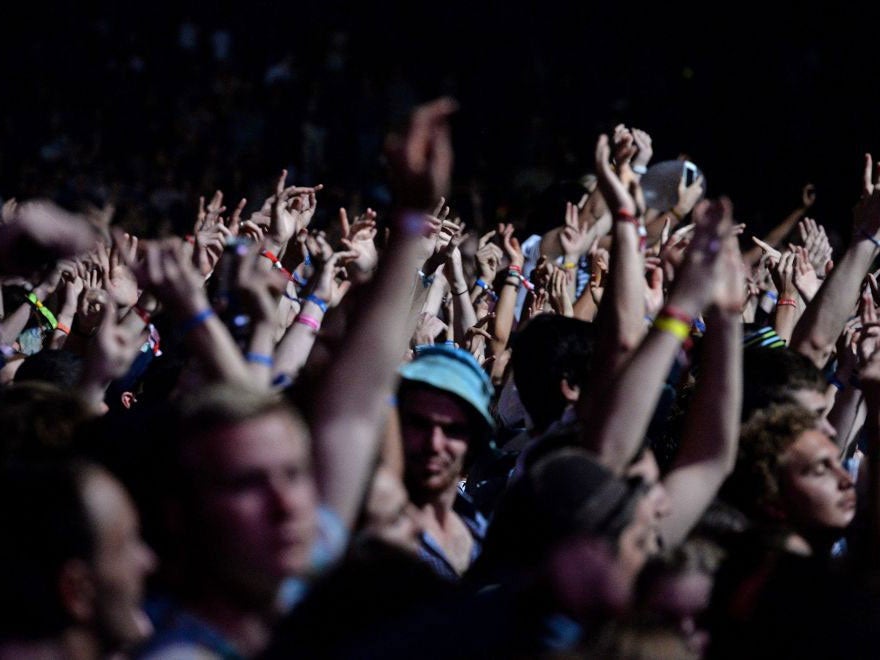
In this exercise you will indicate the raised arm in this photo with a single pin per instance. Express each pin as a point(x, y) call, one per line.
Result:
point(616, 417)
point(348, 420)
point(708, 448)
point(825, 316)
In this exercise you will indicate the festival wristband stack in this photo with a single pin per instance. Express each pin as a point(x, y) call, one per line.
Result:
point(516, 271)
point(674, 322)
point(485, 287)
point(44, 311)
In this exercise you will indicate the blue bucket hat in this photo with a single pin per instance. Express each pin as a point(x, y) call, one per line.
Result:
point(452, 370)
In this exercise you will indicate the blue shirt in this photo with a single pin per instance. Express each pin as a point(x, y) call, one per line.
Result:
point(432, 554)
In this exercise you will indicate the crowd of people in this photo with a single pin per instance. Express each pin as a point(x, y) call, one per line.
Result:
point(639, 433)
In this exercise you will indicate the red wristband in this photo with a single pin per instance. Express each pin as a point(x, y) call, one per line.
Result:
point(624, 214)
point(145, 316)
point(786, 301)
point(63, 328)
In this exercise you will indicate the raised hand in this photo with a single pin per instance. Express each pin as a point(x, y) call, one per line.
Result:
point(359, 237)
point(511, 245)
point(816, 244)
point(208, 247)
point(624, 146)
point(617, 196)
point(867, 211)
point(643, 142)
point(575, 240)
point(688, 196)
point(782, 272)
point(428, 329)
point(119, 281)
point(805, 279)
point(292, 210)
point(654, 295)
point(327, 285)
point(488, 257)
point(558, 295)
point(421, 160)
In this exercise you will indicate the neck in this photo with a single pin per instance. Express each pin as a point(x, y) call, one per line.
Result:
point(439, 505)
point(248, 629)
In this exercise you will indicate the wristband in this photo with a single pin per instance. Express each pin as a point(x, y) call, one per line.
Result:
point(676, 313)
point(772, 295)
point(310, 321)
point(427, 280)
point(639, 169)
point(698, 325)
point(515, 269)
point(63, 328)
point(44, 311)
point(292, 298)
point(259, 358)
point(677, 216)
point(322, 304)
point(460, 293)
point(836, 382)
point(276, 262)
point(865, 234)
point(786, 301)
point(673, 326)
point(486, 288)
point(569, 265)
point(196, 321)
point(624, 214)
point(145, 315)
point(298, 280)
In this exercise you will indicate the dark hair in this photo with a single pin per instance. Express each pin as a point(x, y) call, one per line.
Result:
point(550, 349)
point(755, 482)
point(770, 375)
point(55, 366)
point(563, 495)
point(45, 523)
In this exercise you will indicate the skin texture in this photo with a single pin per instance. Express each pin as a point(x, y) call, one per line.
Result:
point(435, 431)
point(817, 492)
point(257, 501)
point(121, 564)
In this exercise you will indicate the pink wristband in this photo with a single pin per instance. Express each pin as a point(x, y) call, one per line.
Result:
point(310, 321)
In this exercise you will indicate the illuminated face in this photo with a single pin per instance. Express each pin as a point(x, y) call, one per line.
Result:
point(257, 501)
point(121, 562)
point(816, 492)
point(436, 433)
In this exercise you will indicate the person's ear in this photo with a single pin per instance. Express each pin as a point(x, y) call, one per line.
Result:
point(570, 392)
point(76, 589)
point(128, 399)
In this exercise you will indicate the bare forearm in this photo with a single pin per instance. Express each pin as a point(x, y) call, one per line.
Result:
point(825, 316)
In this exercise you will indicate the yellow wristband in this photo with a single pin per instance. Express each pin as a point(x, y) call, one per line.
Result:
point(568, 265)
point(676, 327)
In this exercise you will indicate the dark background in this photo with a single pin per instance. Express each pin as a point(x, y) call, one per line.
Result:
point(100, 100)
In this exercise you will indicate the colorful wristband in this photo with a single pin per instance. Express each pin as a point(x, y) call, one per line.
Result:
point(310, 321)
point(786, 301)
point(63, 328)
point(865, 234)
point(44, 311)
point(322, 304)
point(676, 313)
point(675, 327)
point(259, 358)
point(196, 321)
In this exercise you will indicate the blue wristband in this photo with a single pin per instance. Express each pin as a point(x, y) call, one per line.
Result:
point(259, 358)
point(485, 287)
point(865, 234)
point(320, 303)
point(196, 321)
